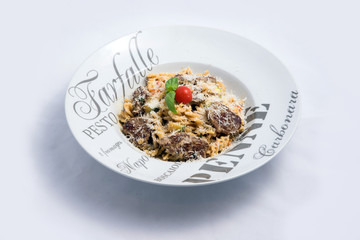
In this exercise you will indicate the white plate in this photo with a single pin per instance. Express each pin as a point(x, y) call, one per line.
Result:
point(98, 88)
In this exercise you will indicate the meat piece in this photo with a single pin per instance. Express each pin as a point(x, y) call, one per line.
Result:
point(139, 97)
point(212, 79)
point(223, 119)
point(182, 146)
point(181, 79)
point(184, 79)
point(197, 98)
point(206, 78)
point(137, 108)
point(140, 93)
point(139, 130)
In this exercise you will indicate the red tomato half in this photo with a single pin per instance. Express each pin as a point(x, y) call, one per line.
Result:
point(183, 95)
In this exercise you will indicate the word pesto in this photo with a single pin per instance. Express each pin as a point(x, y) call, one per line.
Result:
point(100, 126)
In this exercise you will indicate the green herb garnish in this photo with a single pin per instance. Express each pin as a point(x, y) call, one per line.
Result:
point(182, 129)
point(171, 85)
point(170, 101)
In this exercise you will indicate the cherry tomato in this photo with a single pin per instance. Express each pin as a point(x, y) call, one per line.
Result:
point(183, 95)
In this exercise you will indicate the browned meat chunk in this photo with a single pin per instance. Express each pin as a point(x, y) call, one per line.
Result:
point(139, 130)
point(181, 79)
point(223, 119)
point(193, 79)
point(139, 97)
point(206, 78)
point(182, 146)
point(197, 98)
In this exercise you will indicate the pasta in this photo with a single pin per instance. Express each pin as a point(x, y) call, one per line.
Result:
point(212, 118)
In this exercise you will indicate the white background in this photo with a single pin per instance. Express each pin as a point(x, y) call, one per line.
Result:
point(51, 189)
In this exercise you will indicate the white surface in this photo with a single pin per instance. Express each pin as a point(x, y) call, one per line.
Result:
point(51, 189)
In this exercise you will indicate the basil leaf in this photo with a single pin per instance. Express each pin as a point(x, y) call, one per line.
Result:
point(172, 84)
point(170, 101)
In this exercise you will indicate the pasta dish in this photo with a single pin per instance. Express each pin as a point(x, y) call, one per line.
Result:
point(182, 116)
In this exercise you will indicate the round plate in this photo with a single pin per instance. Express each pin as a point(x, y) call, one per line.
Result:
point(96, 92)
